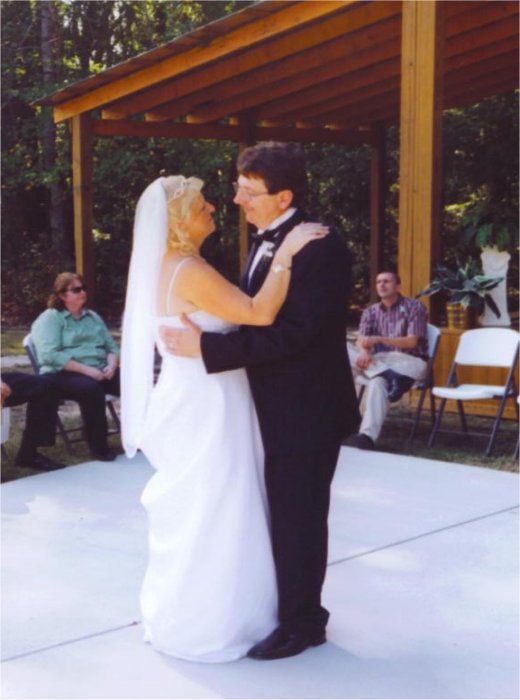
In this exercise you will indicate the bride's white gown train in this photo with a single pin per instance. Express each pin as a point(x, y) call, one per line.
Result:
point(209, 592)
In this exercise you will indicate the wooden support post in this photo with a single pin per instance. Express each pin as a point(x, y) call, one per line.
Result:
point(82, 194)
point(243, 226)
point(377, 205)
point(420, 149)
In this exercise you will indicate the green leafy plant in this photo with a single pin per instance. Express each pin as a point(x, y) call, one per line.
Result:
point(466, 285)
point(490, 224)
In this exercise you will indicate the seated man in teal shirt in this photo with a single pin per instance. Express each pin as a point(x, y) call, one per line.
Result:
point(74, 343)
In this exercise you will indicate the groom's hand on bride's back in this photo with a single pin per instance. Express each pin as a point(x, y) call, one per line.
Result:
point(182, 341)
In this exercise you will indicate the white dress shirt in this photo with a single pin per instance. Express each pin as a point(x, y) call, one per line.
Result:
point(266, 246)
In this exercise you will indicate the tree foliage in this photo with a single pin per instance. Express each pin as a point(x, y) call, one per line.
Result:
point(46, 45)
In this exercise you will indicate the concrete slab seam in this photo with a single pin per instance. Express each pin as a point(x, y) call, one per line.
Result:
point(66, 642)
point(424, 534)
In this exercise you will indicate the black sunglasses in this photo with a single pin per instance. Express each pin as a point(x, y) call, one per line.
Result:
point(77, 290)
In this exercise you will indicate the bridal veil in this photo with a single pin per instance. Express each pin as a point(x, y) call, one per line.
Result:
point(137, 349)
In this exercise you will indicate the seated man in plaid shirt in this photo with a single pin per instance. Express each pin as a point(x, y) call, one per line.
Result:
point(391, 352)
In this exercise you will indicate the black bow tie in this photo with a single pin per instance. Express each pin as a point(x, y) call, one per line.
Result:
point(267, 236)
point(276, 234)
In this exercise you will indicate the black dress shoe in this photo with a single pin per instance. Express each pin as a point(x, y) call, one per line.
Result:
point(280, 644)
point(105, 455)
point(363, 442)
point(396, 384)
point(38, 461)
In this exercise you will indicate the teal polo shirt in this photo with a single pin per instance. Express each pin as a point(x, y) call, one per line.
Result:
point(59, 337)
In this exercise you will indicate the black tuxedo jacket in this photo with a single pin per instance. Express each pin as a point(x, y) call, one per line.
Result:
point(298, 368)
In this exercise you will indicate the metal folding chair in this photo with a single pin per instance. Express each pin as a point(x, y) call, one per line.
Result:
point(78, 431)
point(481, 347)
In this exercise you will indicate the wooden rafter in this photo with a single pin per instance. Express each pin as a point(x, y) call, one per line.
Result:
point(237, 94)
point(226, 132)
point(257, 57)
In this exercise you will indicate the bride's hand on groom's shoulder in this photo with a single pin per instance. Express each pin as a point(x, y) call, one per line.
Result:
point(184, 342)
point(302, 234)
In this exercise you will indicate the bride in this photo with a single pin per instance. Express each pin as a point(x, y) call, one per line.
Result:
point(209, 592)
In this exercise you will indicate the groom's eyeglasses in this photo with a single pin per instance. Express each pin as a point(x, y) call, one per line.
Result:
point(247, 194)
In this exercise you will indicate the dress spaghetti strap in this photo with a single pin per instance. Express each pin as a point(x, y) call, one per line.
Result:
point(172, 281)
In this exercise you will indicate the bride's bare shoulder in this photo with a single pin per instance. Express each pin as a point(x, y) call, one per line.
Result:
point(173, 261)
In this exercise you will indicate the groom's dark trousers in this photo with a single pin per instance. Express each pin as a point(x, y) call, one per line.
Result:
point(304, 395)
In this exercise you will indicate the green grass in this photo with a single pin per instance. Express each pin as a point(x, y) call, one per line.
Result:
point(450, 448)
point(11, 339)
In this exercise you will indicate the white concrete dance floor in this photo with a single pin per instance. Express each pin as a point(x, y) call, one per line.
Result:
point(422, 586)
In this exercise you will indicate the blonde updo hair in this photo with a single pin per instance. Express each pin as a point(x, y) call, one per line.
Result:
point(180, 192)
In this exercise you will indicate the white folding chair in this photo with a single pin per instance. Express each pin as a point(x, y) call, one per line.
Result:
point(480, 347)
point(66, 433)
point(422, 385)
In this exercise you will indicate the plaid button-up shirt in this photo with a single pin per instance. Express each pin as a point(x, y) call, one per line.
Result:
point(405, 317)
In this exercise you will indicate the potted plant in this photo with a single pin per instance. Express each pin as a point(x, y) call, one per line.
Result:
point(492, 227)
point(466, 288)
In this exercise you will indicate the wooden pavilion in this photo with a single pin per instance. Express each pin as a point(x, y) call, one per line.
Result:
point(331, 71)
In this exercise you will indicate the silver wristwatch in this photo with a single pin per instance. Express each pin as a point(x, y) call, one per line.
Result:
point(278, 268)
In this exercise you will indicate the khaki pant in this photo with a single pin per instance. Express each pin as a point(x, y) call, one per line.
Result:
point(375, 398)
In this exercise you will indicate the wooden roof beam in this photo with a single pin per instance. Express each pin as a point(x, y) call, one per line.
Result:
point(482, 87)
point(481, 37)
point(478, 71)
point(256, 32)
point(230, 97)
point(320, 110)
point(390, 70)
point(462, 95)
point(478, 14)
point(316, 102)
point(497, 85)
point(360, 83)
point(225, 132)
point(372, 110)
point(307, 86)
point(481, 53)
point(257, 58)
point(465, 90)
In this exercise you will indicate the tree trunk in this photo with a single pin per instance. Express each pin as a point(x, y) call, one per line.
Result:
point(49, 46)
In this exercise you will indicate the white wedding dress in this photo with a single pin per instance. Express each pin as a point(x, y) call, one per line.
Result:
point(209, 592)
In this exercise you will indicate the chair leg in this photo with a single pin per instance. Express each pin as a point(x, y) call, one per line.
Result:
point(114, 415)
point(417, 416)
point(496, 425)
point(432, 407)
point(64, 436)
point(462, 416)
point(437, 423)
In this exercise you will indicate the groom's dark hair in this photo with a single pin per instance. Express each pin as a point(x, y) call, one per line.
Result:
point(280, 165)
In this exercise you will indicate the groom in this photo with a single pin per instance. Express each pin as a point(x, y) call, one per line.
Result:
point(301, 382)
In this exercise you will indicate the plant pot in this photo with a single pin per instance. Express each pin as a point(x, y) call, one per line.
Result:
point(458, 317)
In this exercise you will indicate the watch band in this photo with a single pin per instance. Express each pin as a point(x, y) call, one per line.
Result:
point(276, 268)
